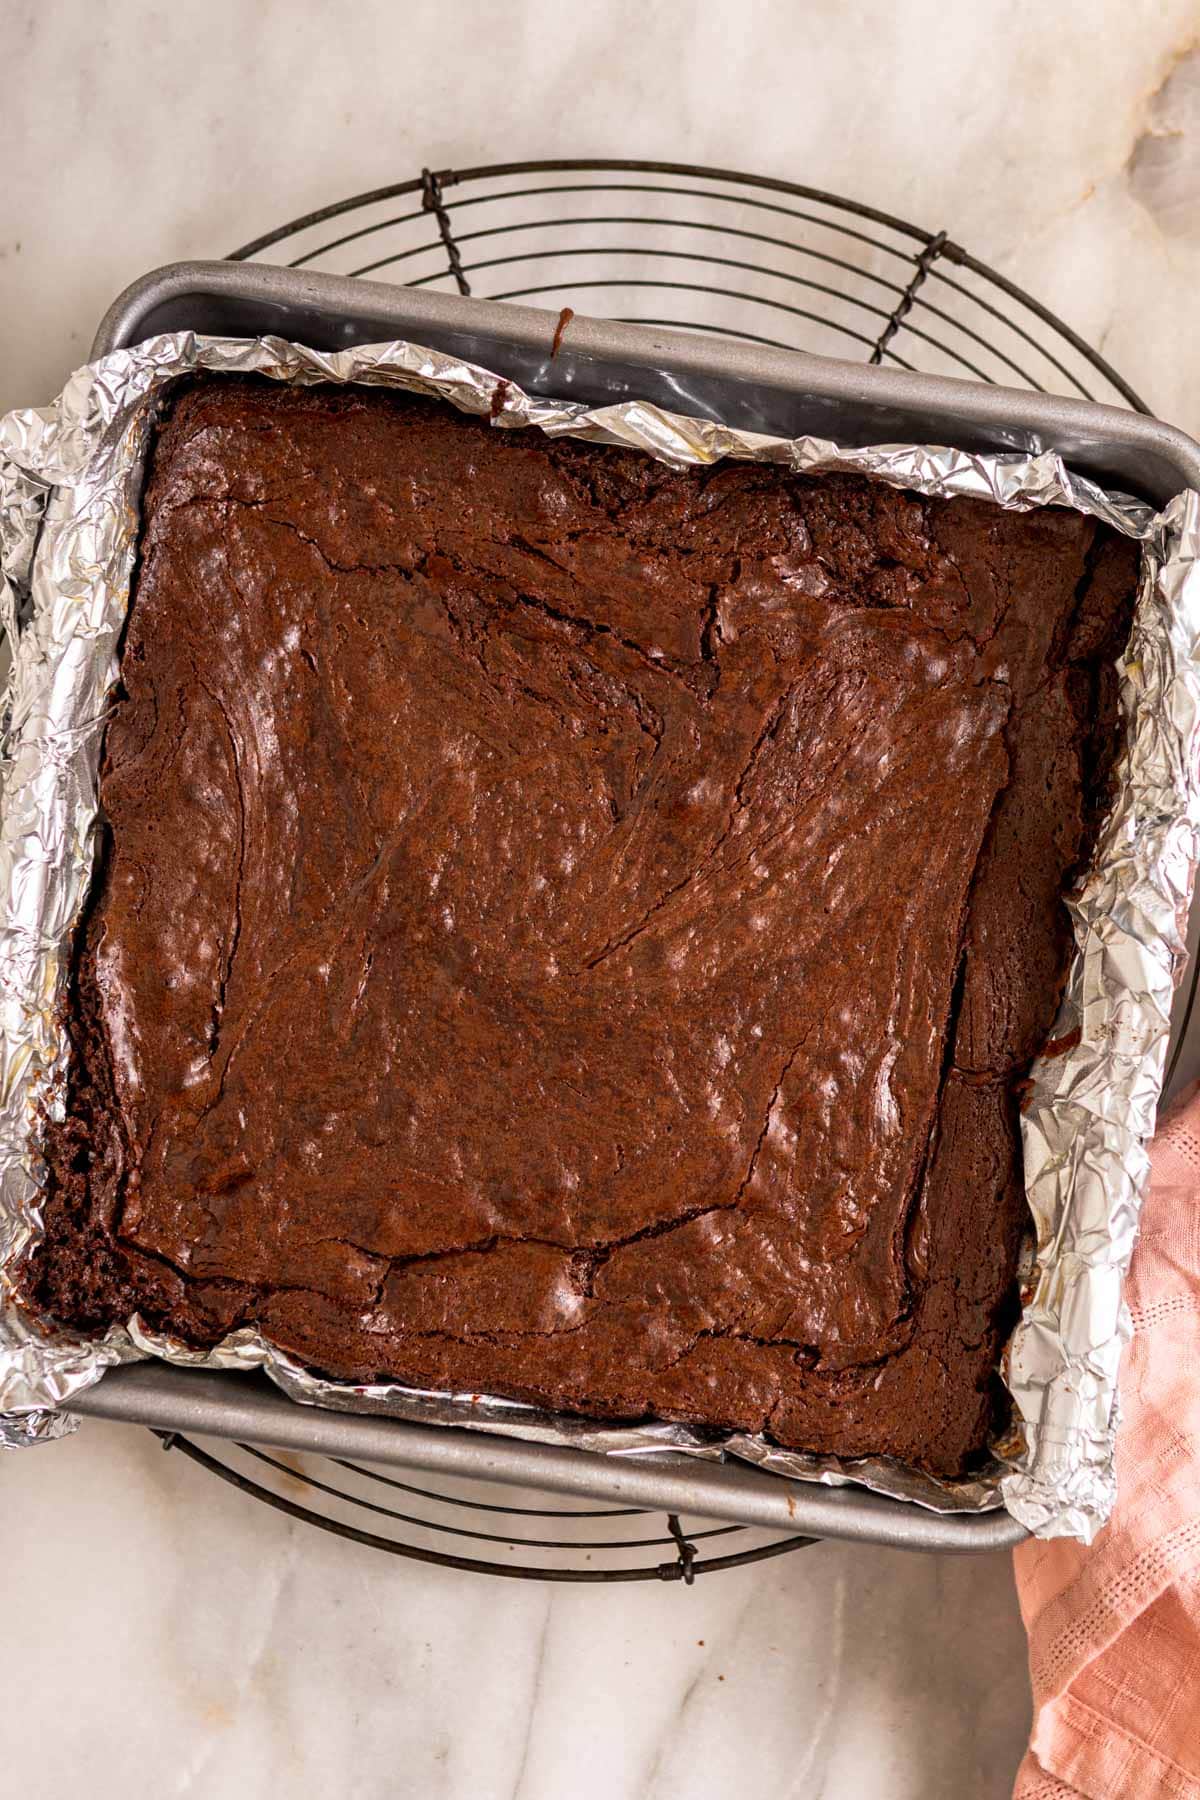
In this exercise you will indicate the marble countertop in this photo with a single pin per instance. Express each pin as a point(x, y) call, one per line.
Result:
point(160, 1622)
point(160, 1625)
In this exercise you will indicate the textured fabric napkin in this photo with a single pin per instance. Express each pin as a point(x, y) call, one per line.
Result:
point(1114, 1629)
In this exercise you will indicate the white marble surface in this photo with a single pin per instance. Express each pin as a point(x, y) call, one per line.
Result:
point(160, 1629)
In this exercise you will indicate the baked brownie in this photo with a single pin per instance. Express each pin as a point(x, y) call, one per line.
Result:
point(576, 929)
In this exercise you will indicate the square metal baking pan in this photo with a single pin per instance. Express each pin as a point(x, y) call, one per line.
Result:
point(748, 386)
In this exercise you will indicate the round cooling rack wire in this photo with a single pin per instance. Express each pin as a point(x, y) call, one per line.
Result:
point(698, 249)
point(744, 255)
point(543, 1543)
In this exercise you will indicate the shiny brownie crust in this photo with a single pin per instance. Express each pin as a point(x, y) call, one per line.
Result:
point(576, 929)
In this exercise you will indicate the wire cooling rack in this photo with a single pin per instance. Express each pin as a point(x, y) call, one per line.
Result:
point(476, 1526)
point(672, 245)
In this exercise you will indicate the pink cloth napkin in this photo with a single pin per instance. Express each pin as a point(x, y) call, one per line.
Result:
point(1114, 1630)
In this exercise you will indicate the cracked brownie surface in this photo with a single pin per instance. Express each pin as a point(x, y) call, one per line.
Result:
point(575, 929)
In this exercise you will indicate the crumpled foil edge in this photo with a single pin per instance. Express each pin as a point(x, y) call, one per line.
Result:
point(70, 480)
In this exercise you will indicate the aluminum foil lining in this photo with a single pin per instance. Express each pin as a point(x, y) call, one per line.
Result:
point(70, 479)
